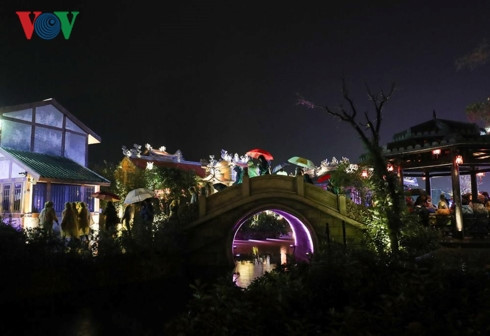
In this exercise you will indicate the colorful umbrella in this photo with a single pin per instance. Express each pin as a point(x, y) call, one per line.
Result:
point(323, 178)
point(279, 167)
point(301, 162)
point(256, 152)
point(138, 195)
point(105, 196)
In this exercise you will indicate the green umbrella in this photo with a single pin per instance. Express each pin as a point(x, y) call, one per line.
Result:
point(301, 162)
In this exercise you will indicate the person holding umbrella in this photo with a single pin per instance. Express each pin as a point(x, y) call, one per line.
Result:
point(264, 167)
point(111, 218)
point(127, 217)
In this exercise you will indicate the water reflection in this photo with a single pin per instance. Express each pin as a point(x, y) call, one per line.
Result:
point(253, 258)
point(246, 271)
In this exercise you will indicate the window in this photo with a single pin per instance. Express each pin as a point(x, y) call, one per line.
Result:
point(60, 194)
point(17, 197)
point(38, 197)
point(6, 198)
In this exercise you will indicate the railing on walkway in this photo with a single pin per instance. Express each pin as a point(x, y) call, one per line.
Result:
point(474, 225)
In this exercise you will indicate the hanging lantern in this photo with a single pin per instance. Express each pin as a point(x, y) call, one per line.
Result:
point(436, 152)
point(459, 159)
point(480, 175)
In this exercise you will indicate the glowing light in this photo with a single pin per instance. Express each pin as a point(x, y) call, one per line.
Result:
point(436, 152)
point(480, 174)
point(390, 167)
point(149, 165)
point(459, 160)
point(364, 173)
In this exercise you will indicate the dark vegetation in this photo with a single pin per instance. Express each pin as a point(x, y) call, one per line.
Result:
point(140, 286)
point(263, 226)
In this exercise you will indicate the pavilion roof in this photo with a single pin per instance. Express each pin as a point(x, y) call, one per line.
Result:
point(435, 132)
point(413, 148)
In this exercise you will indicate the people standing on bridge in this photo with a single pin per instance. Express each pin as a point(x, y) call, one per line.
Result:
point(239, 174)
point(282, 172)
point(193, 193)
point(252, 169)
point(264, 167)
point(306, 176)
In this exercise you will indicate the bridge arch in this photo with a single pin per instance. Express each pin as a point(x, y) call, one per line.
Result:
point(305, 239)
point(316, 216)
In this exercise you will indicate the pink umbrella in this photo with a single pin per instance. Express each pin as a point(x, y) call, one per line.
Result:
point(256, 152)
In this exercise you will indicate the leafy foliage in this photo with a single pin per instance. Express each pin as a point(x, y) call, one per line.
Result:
point(345, 292)
point(479, 112)
point(262, 226)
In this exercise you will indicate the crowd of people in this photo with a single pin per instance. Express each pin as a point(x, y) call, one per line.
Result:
point(263, 167)
point(75, 221)
point(424, 206)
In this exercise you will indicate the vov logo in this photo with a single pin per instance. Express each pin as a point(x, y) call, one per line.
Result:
point(47, 25)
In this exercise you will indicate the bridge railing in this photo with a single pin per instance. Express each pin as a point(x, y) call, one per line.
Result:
point(269, 184)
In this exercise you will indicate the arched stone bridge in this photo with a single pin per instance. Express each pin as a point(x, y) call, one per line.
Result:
point(314, 214)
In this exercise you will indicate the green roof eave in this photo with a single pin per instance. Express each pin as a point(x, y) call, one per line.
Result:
point(46, 167)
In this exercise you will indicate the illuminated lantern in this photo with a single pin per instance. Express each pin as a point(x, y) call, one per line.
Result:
point(436, 152)
point(364, 173)
point(458, 160)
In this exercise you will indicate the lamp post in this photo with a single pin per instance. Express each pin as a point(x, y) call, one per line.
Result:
point(458, 215)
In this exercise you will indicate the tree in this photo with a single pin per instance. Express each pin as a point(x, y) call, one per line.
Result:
point(477, 112)
point(263, 226)
point(388, 194)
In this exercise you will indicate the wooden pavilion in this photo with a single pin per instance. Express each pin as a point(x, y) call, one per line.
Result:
point(441, 147)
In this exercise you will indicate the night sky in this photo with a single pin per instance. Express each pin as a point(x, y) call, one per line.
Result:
point(206, 76)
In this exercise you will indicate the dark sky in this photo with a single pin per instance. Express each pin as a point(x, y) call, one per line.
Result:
point(205, 76)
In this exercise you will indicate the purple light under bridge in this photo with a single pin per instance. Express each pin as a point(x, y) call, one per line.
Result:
point(302, 237)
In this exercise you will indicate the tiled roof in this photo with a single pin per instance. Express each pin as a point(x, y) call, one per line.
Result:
point(56, 167)
point(186, 165)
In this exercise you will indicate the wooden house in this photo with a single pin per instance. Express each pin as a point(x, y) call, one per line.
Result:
point(44, 157)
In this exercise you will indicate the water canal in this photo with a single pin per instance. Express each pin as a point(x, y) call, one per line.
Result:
point(254, 258)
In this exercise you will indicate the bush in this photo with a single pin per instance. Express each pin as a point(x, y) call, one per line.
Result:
point(344, 292)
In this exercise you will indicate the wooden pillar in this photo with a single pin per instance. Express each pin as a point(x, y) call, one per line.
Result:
point(300, 185)
point(399, 172)
point(474, 185)
point(427, 183)
point(458, 214)
point(341, 204)
point(202, 205)
point(245, 184)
